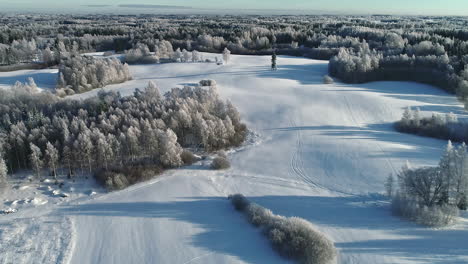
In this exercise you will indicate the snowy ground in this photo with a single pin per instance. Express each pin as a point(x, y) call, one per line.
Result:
point(323, 155)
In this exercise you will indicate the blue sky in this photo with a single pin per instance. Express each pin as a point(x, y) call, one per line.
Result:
point(433, 7)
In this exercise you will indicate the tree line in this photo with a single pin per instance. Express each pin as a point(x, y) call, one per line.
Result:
point(313, 36)
point(430, 50)
point(439, 126)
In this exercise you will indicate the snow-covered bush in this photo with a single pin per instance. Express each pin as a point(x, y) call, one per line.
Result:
point(434, 216)
point(188, 157)
point(116, 181)
point(118, 177)
point(207, 83)
point(220, 163)
point(291, 237)
point(29, 87)
point(438, 126)
point(327, 79)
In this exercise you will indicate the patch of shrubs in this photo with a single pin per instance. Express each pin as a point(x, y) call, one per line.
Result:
point(437, 126)
point(433, 216)
point(118, 178)
point(291, 237)
point(207, 83)
point(188, 157)
point(221, 162)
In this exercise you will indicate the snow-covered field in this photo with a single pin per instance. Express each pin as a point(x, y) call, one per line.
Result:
point(323, 154)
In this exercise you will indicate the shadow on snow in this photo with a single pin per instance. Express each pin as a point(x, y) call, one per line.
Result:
point(42, 79)
point(226, 231)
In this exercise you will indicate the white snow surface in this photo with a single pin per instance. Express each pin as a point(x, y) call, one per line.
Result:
point(323, 154)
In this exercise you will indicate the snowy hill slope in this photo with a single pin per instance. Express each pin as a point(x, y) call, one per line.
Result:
point(323, 155)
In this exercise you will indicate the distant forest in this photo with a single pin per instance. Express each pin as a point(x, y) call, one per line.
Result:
point(431, 50)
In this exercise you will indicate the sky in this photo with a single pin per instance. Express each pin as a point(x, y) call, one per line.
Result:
point(415, 7)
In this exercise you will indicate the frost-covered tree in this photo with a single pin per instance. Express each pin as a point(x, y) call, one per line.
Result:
point(48, 57)
point(152, 92)
point(67, 159)
point(36, 159)
point(85, 147)
point(51, 159)
point(29, 87)
point(226, 55)
point(186, 55)
point(417, 117)
point(446, 165)
point(390, 185)
point(3, 171)
point(177, 56)
point(196, 56)
point(426, 184)
point(171, 149)
point(407, 116)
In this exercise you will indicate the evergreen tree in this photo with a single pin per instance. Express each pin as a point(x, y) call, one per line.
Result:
point(389, 185)
point(273, 61)
point(406, 118)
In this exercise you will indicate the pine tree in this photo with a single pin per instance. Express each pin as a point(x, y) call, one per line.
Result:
point(273, 61)
point(389, 185)
point(406, 118)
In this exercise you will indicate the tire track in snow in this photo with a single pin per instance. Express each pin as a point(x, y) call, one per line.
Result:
point(297, 162)
point(360, 127)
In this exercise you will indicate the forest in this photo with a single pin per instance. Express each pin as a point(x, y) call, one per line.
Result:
point(110, 132)
point(431, 50)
